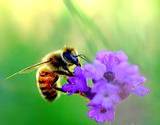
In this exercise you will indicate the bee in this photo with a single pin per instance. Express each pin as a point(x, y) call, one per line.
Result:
point(52, 66)
point(59, 63)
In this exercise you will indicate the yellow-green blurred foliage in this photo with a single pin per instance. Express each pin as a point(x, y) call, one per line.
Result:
point(31, 28)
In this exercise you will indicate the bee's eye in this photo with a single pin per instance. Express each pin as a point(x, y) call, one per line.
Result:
point(70, 57)
point(67, 56)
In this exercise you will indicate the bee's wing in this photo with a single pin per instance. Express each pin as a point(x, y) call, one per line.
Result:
point(27, 69)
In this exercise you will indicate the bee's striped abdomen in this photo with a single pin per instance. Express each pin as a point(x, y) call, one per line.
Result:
point(46, 81)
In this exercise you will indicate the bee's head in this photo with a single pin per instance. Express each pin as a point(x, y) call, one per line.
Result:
point(70, 56)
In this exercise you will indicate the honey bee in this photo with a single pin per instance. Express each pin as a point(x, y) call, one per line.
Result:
point(59, 63)
point(52, 66)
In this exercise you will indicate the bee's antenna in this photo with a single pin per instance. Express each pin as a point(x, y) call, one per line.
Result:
point(27, 69)
point(82, 56)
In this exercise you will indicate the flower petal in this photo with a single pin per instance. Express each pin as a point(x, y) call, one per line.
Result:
point(95, 70)
point(141, 90)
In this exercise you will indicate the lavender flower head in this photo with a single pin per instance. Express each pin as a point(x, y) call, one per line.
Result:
point(77, 83)
point(113, 80)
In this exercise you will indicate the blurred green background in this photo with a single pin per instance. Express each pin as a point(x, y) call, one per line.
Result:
point(31, 28)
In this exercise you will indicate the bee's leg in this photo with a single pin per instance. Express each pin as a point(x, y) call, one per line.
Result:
point(64, 72)
point(60, 89)
point(66, 69)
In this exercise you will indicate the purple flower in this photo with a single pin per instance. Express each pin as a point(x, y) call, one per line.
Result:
point(113, 80)
point(77, 83)
point(113, 68)
point(101, 114)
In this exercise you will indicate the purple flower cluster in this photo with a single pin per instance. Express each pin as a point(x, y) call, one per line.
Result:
point(113, 80)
